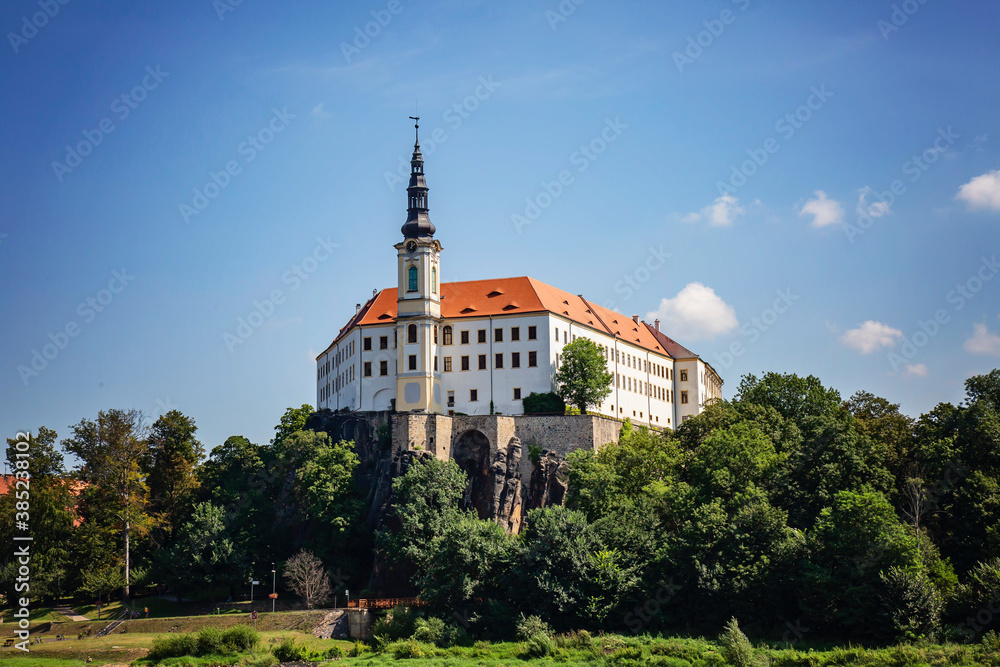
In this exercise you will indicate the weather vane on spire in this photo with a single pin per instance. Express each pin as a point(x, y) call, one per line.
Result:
point(416, 126)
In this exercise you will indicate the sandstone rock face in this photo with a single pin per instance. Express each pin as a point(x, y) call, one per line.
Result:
point(549, 482)
point(507, 506)
point(333, 626)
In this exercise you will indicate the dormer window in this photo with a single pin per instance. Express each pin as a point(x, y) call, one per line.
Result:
point(411, 279)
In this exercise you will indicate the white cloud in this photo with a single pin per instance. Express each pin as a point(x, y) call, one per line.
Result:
point(824, 211)
point(319, 112)
point(720, 213)
point(870, 337)
point(916, 370)
point(982, 191)
point(696, 313)
point(983, 342)
point(875, 209)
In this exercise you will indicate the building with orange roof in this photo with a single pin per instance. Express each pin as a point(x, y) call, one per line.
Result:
point(480, 346)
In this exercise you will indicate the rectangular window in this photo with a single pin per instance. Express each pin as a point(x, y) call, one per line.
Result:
point(498, 335)
point(465, 363)
point(413, 362)
point(482, 362)
point(465, 337)
point(684, 376)
point(447, 364)
point(499, 360)
point(383, 342)
point(368, 369)
point(481, 334)
point(557, 334)
point(435, 362)
point(565, 337)
point(532, 359)
point(515, 359)
point(451, 399)
point(368, 343)
point(515, 333)
point(532, 332)
point(517, 393)
point(473, 395)
point(684, 397)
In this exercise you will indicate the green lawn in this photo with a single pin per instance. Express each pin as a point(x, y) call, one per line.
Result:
point(35, 615)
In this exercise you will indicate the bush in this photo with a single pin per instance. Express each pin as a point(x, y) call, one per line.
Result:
point(429, 630)
point(398, 624)
point(210, 642)
point(404, 649)
point(532, 626)
point(538, 646)
point(357, 650)
point(240, 639)
point(736, 648)
point(913, 604)
point(259, 660)
point(173, 646)
point(547, 402)
point(333, 653)
point(289, 651)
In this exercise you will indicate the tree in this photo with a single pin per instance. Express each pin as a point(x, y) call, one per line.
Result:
point(305, 575)
point(549, 401)
point(204, 555)
point(324, 477)
point(582, 378)
point(170, 472)
point(293, 421)
point(111, 450)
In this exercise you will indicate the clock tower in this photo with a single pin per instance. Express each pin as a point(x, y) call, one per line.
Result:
point(418, 320)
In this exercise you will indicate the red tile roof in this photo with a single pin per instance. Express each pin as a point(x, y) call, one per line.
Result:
point(503, 296)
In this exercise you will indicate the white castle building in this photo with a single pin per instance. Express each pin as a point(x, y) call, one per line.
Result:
point(427, 346)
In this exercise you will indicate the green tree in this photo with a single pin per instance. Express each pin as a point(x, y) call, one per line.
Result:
point(203, 555)
point(293, 421)
point(549, 401)
point(582, 378)
point(111, 451)
point(324, 477)
point(174, 452)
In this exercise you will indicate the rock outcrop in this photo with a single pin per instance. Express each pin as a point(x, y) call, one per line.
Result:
point(549, 482)
point(507, 506)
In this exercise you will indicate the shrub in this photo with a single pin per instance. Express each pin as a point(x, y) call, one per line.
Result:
point(546, 402)
point(532, 626)
point(334, 652)
point(289, 651)
point(404, 649)
point(259, 660)
point(736, 648)
point(913, 604)
point(240, 639)
point(538, 646)
point(400, 623)
point(357, 650)
point(173, 646)
point(429, 630)
point(210, 642)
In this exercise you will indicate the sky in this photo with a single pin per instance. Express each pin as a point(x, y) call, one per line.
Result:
point(197, 193)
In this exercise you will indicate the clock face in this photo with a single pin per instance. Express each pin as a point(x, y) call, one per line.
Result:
point(411, 246)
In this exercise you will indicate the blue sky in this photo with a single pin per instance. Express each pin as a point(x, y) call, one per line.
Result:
point(789, 186)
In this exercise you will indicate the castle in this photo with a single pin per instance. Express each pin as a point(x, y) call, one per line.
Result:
point(431, 348)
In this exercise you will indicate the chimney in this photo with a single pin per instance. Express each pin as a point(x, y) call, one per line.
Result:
point(635, 318)
point(656, 323)
point(374, 293)
point(357, 308)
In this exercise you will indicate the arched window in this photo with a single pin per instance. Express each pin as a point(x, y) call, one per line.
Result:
point(411, 333)
point(434, 281)
point(411, 279)
point(447, 335)
point(435, 334)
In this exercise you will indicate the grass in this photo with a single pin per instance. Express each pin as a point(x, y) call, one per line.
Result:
point(36, 615)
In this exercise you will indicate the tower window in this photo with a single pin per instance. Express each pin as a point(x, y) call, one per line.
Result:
point(434, 280)
point(557, 334)
point(447, 335)
point(684, 397)
point(447, 364)
point(435, 334)
point(435, 363)
point(411, 333)
point(684, 378)
point(383, 368)
point(368, 369)
point(413, 362)
point(383, 342)
point(411, 280)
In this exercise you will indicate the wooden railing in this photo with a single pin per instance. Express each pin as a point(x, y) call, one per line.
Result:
point(383, 603)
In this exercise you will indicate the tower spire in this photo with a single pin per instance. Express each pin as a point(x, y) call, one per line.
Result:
point(418, 223)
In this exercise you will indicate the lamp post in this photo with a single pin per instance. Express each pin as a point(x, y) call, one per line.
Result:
point(273, 589)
